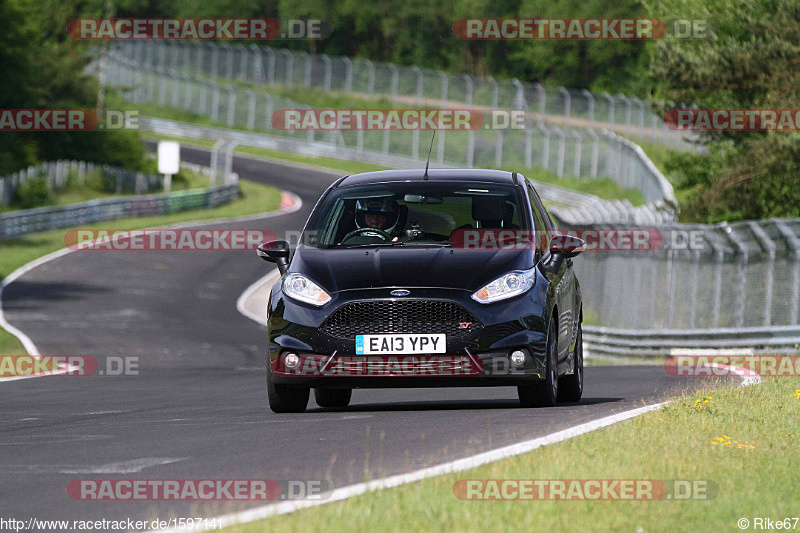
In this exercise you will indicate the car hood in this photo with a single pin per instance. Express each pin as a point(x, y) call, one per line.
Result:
point(362, 268)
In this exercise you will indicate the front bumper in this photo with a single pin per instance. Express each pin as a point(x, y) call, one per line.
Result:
point(478, 357)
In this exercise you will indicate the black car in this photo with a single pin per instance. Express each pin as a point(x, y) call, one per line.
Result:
point(425, 279)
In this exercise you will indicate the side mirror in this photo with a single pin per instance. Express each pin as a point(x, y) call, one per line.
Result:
point(566, 245)
point(275, 252)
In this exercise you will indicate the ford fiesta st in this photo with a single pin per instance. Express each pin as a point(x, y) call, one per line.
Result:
point(425, 279)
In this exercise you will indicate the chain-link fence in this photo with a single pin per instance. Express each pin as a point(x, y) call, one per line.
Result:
point(59, 173)
point(586, 153)
point(740, 275)
point(552, 106)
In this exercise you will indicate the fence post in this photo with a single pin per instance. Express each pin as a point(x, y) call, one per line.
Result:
point(495, 91)
point(611, 105)
point(627, 102)
point(307, 74)
point(418, 86)
point(595, 152)
point(231, 105)
point(578, 142)
point(498, 154)
point(395, 82)
point(251, 109)
point(348, 74)
point(214, 101)
point(541, 96)
point(590, 103)
point(567, 102)
point(258, 61)
point(289, 67)
point(328, 72)
point(562, 142)
point(639, 103)
point(371, 79)
point(545, 147)
point(270, 66)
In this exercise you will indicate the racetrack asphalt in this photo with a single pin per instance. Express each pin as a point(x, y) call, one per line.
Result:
point(198, 409)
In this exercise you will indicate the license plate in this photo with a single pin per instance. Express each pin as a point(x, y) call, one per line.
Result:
point(400, 343)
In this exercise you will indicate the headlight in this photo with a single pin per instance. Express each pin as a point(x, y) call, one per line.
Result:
point(301, 288)
point(506, 286)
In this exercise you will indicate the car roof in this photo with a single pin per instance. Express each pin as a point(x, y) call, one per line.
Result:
point(447, 174)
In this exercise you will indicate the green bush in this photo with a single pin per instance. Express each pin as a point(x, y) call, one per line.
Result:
point(34, 192)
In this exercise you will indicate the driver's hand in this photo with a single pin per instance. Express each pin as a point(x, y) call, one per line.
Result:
point(395, 239)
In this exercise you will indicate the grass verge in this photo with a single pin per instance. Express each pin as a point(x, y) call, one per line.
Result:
point(672, 443)
point(255, 198)
point(603, 188)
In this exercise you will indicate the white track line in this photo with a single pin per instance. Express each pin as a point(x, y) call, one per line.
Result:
point(26, 341)
point(241, 302)
point(459, 465)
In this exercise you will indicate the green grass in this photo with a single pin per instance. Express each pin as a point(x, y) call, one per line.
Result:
point(603, 188)
point(672, 443)
point(255, 198)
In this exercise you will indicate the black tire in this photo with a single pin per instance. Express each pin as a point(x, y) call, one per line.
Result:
point(571, 387)
point(333, 397)
point(285, 399)
point(544, 394)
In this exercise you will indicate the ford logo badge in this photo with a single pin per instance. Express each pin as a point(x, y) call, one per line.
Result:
point(400, 292)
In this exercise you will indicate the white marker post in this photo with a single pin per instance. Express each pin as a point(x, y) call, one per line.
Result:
point(169, 161)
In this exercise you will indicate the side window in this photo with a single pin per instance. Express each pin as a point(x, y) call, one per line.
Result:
point(542, 230)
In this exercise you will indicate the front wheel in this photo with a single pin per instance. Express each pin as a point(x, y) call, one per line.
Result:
point(333, 397)
point(285, 399)
point(571, 387)
point(544, 394)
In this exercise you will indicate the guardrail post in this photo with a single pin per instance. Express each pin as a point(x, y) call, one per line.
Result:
point(495, 91)
point(243, 55)
point(468, 89)
point(769, 245)
point(212, 182)
point(793, 243)
point(269, 109)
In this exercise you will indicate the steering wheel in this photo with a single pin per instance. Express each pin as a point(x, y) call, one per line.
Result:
point(374, 231)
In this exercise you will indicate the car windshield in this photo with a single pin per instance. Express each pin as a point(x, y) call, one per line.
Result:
point(411, 213)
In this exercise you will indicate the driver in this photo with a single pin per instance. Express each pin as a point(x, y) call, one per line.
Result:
point(378, 213)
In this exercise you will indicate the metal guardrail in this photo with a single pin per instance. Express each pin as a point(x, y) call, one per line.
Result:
point(567, 205)
point(59, 172)
point(552, 106)
point(587, 153)
point(28, 221)
point(621, 342)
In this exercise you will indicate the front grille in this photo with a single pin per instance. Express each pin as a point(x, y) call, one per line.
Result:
point(400, 316)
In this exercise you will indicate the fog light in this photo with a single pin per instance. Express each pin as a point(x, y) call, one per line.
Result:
point(291, 360)
point(517, 358)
